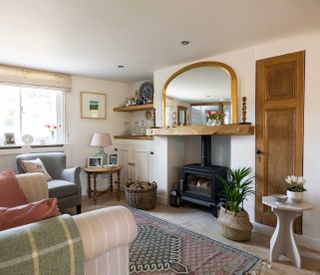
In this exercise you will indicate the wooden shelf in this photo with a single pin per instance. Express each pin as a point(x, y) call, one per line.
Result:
point(134, 137)
point(222, 130)
point(134, 108)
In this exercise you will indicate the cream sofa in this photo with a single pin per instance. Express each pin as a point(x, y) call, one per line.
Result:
point(106, 233)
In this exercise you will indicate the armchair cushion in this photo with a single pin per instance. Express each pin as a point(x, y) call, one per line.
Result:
point(10, 191)
point(36, 165)
point(28, 213)
point(61, 188)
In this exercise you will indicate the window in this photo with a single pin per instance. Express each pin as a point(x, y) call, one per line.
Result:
point(27, 109)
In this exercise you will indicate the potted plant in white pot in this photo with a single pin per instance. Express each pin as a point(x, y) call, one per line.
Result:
point(233, 220)
point(295, 188)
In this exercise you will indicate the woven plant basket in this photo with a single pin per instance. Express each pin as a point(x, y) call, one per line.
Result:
point(235, 226)
point(141, 194)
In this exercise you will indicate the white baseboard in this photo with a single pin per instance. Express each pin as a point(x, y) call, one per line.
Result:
point(302, 240)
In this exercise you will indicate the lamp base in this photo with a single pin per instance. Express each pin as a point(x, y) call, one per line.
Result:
point(104, 157)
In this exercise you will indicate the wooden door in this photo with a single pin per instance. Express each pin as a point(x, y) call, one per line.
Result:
point(279, 128)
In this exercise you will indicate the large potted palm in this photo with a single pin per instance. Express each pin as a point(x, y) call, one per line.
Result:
point(233, 220)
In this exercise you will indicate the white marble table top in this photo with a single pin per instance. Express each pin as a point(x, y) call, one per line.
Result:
point(288, 205)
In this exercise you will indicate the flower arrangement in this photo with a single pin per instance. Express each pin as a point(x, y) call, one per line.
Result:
point(295, 184)
point(215, 116)
point(52, 128)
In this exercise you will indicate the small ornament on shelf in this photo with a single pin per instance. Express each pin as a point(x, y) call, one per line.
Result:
point(244, 111)
point(214, 118)
point(244, 91)
point(174, 119)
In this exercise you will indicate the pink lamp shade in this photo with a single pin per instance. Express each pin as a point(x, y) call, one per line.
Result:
point(100, 140)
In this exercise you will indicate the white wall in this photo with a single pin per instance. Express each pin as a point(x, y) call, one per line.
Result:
point(80, 131)
point(243, 147)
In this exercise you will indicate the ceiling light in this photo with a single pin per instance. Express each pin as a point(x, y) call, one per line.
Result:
point(185, 42)
point(120, 66)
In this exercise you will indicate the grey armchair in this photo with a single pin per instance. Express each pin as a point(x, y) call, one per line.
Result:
point(65, 184)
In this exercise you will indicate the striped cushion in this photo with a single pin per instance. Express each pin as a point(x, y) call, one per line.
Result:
point(34, 186)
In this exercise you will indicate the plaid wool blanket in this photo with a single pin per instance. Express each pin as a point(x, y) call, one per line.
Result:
point(52, 246)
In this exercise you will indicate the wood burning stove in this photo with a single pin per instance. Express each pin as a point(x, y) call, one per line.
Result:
point(200, 183)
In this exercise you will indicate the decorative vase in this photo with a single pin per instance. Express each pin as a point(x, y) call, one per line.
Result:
point(52, 137)
point(211, 122)
point(295, 196)
point(217, 122)
point(235, 226)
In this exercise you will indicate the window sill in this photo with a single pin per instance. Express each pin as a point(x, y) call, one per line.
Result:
point(22, 148)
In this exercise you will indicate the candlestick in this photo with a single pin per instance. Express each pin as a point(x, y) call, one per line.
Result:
point(244, 111)
point(244, 87)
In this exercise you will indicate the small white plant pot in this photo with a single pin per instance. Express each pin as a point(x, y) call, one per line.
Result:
point(295, 196)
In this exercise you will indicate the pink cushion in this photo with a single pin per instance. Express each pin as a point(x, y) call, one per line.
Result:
point(28, 213)
point(10, 191)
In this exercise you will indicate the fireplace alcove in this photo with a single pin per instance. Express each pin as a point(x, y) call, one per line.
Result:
point(199, 182)
point(201, 88)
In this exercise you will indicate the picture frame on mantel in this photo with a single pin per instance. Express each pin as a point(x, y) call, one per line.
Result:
point(93, 105)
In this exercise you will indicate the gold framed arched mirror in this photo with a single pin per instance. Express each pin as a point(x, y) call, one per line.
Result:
point(200, 89)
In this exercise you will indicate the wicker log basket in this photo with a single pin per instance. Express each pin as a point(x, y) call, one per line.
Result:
point(141, 194)
point(235, 226)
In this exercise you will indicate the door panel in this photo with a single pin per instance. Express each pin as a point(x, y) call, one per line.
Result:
point(279, 127)
point(280, 80)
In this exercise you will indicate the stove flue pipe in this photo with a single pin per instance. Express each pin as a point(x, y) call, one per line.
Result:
point(205, 151)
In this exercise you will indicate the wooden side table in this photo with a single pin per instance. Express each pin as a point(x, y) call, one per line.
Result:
point(94, 171)
point(283, 240)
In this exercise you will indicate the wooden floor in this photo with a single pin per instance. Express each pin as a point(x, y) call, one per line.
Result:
point(201, 221)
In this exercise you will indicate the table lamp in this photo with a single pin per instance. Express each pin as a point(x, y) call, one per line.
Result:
point(101, 140)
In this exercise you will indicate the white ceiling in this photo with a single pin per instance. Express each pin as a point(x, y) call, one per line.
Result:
point(91, 38)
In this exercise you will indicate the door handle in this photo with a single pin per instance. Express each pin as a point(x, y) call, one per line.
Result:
point(259, 153)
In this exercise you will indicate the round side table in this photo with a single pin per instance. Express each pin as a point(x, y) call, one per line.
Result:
point(283, 240)
point(94, 172)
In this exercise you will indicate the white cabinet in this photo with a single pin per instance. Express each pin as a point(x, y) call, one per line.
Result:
point(137, 159)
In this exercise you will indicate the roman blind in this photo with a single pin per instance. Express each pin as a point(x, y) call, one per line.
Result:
point(24, 76)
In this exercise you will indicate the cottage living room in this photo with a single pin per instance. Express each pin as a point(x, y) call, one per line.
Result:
point(159, 137)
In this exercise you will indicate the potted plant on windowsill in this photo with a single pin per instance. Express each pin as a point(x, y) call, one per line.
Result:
point(233, 220)
point(295, 188)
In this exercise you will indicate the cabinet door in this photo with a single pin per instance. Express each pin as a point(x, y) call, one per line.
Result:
point(124, 160)
point(143, 165)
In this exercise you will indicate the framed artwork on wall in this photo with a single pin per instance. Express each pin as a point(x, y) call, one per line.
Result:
point(93, 105)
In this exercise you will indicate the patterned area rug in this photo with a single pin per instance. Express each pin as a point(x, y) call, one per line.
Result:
point(165, 248)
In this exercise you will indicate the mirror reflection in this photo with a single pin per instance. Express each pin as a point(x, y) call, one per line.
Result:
point(200, 94)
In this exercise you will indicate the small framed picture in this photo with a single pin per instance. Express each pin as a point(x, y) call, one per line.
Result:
point(94, 162)
point(9, 139)
point(93, 105)
point(113, 159)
